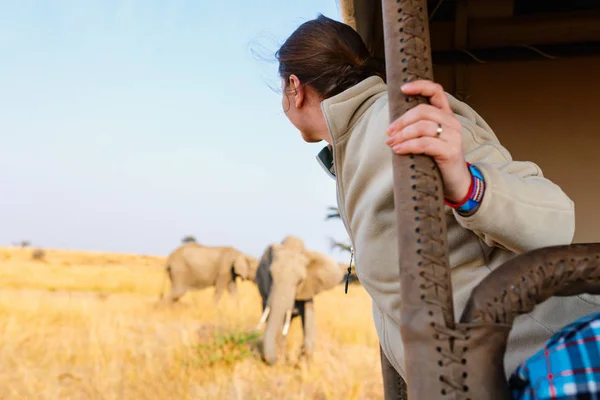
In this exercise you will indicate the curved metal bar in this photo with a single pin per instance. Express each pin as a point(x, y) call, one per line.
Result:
point(513, 289)
point(527, 280)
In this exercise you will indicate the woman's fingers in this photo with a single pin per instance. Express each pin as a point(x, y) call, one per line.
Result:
point(415, 132)
point(420, 129)
point(423, 145)
point(423, 112)
point(426, 88)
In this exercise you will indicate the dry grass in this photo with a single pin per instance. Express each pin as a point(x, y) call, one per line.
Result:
point(88, 326)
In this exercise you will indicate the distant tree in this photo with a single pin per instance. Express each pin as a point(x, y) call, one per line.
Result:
point(340, 246)
point(38, 255)
point(188, 239)
point(334, 213)
point(25, 243)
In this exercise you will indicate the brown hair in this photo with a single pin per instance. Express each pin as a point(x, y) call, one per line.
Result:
point(328, 55)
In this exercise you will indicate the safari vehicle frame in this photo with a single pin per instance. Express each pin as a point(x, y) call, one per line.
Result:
point(462, 358)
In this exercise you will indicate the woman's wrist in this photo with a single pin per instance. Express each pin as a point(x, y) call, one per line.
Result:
point(470, 203)
point(457, 183)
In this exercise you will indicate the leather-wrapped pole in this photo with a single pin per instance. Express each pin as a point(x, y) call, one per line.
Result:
point(444, 359)
point(427, 308)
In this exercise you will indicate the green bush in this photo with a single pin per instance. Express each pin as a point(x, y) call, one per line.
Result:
point(227, 348)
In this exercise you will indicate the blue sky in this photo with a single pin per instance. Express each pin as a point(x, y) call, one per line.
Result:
point(125, 125)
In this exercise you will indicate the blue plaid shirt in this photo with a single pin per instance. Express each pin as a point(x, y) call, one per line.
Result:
point(567, 368)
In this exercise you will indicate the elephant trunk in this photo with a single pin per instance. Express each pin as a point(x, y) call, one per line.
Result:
point(281, 302)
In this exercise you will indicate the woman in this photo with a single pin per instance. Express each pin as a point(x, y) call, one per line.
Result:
point(333, 90)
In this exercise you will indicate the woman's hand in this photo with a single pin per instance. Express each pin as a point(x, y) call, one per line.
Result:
point(416, 132)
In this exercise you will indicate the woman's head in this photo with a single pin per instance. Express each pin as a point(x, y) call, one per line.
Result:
point(321, 59)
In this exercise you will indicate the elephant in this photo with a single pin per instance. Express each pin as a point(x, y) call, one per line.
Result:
point(288, 278)
point(193, 266)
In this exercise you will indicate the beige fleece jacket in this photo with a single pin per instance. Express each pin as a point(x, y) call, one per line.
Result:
point(521, 211)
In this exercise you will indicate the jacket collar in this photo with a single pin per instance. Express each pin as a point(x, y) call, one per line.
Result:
point(343, 110)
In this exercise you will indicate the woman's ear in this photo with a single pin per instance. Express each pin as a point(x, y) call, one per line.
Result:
point(297, 90)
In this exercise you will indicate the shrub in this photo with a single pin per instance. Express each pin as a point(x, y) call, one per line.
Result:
point(188, 239)
point(38, 255)
point(227, 348)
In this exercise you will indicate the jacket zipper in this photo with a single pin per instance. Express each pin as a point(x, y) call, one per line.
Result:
point(349, 269)
point(342, 214)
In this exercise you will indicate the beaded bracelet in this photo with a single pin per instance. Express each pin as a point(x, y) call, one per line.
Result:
point(474, 195)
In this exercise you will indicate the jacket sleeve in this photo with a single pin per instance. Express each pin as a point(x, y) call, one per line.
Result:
point(521, 210)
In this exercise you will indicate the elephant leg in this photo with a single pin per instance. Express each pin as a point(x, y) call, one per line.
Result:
point(232, 289)
point(218, 294)
point(233, 292)
point(220, 286)
point(310, 329)
point(176, 293)
point(177, 288)
point(394, 386)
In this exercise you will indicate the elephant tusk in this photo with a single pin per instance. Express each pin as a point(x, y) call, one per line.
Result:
point(286, 325)
point(263, 317)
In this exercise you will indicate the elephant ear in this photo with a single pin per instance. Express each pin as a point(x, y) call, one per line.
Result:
point(322, 273)
point(252, 266)
point(263, 278)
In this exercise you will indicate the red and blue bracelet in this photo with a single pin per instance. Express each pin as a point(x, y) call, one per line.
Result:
point(474, 195)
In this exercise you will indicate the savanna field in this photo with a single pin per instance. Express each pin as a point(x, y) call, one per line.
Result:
point(89, 326)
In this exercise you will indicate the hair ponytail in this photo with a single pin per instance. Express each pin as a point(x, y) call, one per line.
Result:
point(328, 55)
